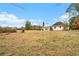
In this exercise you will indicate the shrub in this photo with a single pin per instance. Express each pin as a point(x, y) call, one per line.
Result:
point(7, 30)
point(36, 27)
point(51, 28)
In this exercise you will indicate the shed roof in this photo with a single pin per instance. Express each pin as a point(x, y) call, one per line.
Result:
point(59, 24)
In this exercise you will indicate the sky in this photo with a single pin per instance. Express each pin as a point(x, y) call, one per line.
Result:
point(16, 14)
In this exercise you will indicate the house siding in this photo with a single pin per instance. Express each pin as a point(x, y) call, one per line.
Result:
point(57, 28)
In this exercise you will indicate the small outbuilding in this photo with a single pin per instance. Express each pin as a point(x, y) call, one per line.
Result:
point(46, 28)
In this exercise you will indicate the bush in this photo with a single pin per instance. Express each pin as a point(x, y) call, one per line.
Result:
point(36, 27)
point(7, 30)
point(51, 28)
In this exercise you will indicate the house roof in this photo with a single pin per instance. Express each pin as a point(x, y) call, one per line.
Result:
point(59, 24)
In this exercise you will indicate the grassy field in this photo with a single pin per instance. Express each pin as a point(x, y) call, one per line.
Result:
point(36, 43)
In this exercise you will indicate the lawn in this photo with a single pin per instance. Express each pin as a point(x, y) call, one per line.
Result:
point(40, 43)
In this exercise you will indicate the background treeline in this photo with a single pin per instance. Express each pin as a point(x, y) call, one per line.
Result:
point(29, 26)
point(36, 27)
point(7, 30)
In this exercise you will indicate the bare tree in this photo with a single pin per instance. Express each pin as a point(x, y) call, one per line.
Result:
point(73, 9)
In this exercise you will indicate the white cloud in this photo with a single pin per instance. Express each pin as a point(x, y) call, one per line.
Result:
point(62, 18)
point(10, 20)
point(14, 21)
point(13, 17)
point(65, 16)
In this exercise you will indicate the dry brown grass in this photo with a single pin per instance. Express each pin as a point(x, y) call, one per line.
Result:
point(40, 43)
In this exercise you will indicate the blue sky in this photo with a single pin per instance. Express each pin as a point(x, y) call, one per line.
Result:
point(11, 15)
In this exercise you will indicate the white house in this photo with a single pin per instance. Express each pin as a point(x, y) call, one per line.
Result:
point(58, 26)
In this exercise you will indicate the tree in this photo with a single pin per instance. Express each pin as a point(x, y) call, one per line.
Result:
point(43, 24)
point(74, 23)
point(28, 25)
point(73, 9)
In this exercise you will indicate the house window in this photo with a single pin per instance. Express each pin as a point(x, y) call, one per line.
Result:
point(54, 26)
point(60, 26)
